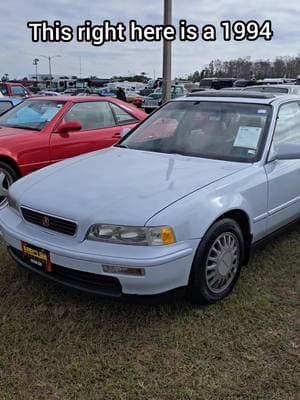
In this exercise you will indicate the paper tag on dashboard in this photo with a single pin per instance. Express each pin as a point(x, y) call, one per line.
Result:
point(247, 137)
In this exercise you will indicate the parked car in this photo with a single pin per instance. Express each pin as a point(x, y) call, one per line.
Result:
point(48, 93)
point(72, 91)
point(175, 207)
point(133, 97)
point(105, 92)
point(277, 88)
point(217, 83)
point(277, 81)
point(6, 103)
point(43, 130)
point(240, 83)
point(154, 100)
point(12, 89)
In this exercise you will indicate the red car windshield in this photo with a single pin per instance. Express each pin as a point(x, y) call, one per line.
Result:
point(32, 115)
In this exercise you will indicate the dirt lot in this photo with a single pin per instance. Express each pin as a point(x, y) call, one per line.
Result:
point(60, 344)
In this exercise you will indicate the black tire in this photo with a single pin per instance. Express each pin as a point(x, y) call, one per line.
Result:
point(199, 289)
point(11, 176)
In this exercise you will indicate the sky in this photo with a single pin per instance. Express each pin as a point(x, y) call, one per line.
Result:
point(17, 50)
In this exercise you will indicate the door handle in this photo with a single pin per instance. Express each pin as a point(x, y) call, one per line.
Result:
point(117, 135)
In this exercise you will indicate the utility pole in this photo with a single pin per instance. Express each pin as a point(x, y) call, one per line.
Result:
point(49, 58)
point(167, 55)
point(50, 72)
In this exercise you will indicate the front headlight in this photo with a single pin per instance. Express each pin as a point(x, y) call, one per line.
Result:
point(12, 202)
point(161, 235)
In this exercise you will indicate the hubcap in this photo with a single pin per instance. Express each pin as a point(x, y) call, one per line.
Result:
point(222, 262)
point(5, 181)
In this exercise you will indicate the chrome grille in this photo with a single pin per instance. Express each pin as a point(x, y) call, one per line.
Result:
point(49, 222)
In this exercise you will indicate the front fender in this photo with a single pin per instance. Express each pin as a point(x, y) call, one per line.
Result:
point(9, 157)
point(192, 216)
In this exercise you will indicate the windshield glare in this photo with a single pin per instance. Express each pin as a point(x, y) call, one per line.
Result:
point(31, 114)
point(207, 129)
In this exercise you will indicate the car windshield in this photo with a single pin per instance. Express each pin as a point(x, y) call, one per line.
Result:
point(31, 114)
point(208, 129)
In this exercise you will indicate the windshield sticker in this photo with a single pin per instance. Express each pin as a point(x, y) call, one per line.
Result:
point(261, 111)
point(247, 137)
point(251, 152)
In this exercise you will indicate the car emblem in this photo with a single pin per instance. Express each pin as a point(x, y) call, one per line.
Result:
point(45, 221)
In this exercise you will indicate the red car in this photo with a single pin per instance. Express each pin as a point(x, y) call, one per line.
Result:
point(44, 130)
point(13, 89)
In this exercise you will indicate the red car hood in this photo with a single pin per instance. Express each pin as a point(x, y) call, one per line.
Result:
point(6, 131)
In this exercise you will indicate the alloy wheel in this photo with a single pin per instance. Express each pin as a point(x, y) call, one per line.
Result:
point(5, 181)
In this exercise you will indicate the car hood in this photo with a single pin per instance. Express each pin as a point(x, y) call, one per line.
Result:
point(118, 186)
point(5, 131)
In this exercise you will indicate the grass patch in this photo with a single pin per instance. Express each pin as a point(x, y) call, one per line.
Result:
point(59, 344)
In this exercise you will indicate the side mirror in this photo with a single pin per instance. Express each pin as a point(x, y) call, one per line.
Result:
point(69, 126)
point(124, 132)
point(285, 151)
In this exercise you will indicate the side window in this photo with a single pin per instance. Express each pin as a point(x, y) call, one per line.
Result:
point(287, 130)
point(4, 106)
point(18, 91)
point(122, 116)
point(91, 115)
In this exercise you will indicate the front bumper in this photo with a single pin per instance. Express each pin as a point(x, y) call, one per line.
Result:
point(79, 264)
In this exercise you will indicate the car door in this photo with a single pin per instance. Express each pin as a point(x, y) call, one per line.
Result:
point(99, 130)
point(284, 175)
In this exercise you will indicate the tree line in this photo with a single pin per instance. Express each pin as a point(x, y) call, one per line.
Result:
point(280, 67)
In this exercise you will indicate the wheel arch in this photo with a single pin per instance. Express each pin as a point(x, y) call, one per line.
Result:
point(11, 162)
point(242, 219)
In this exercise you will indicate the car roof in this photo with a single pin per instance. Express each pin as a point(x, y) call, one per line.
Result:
point(280, 85)
point(239, 96)
point(73, 99)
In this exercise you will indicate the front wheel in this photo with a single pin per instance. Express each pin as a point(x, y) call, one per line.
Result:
point(217, 263)
point(7, 177)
